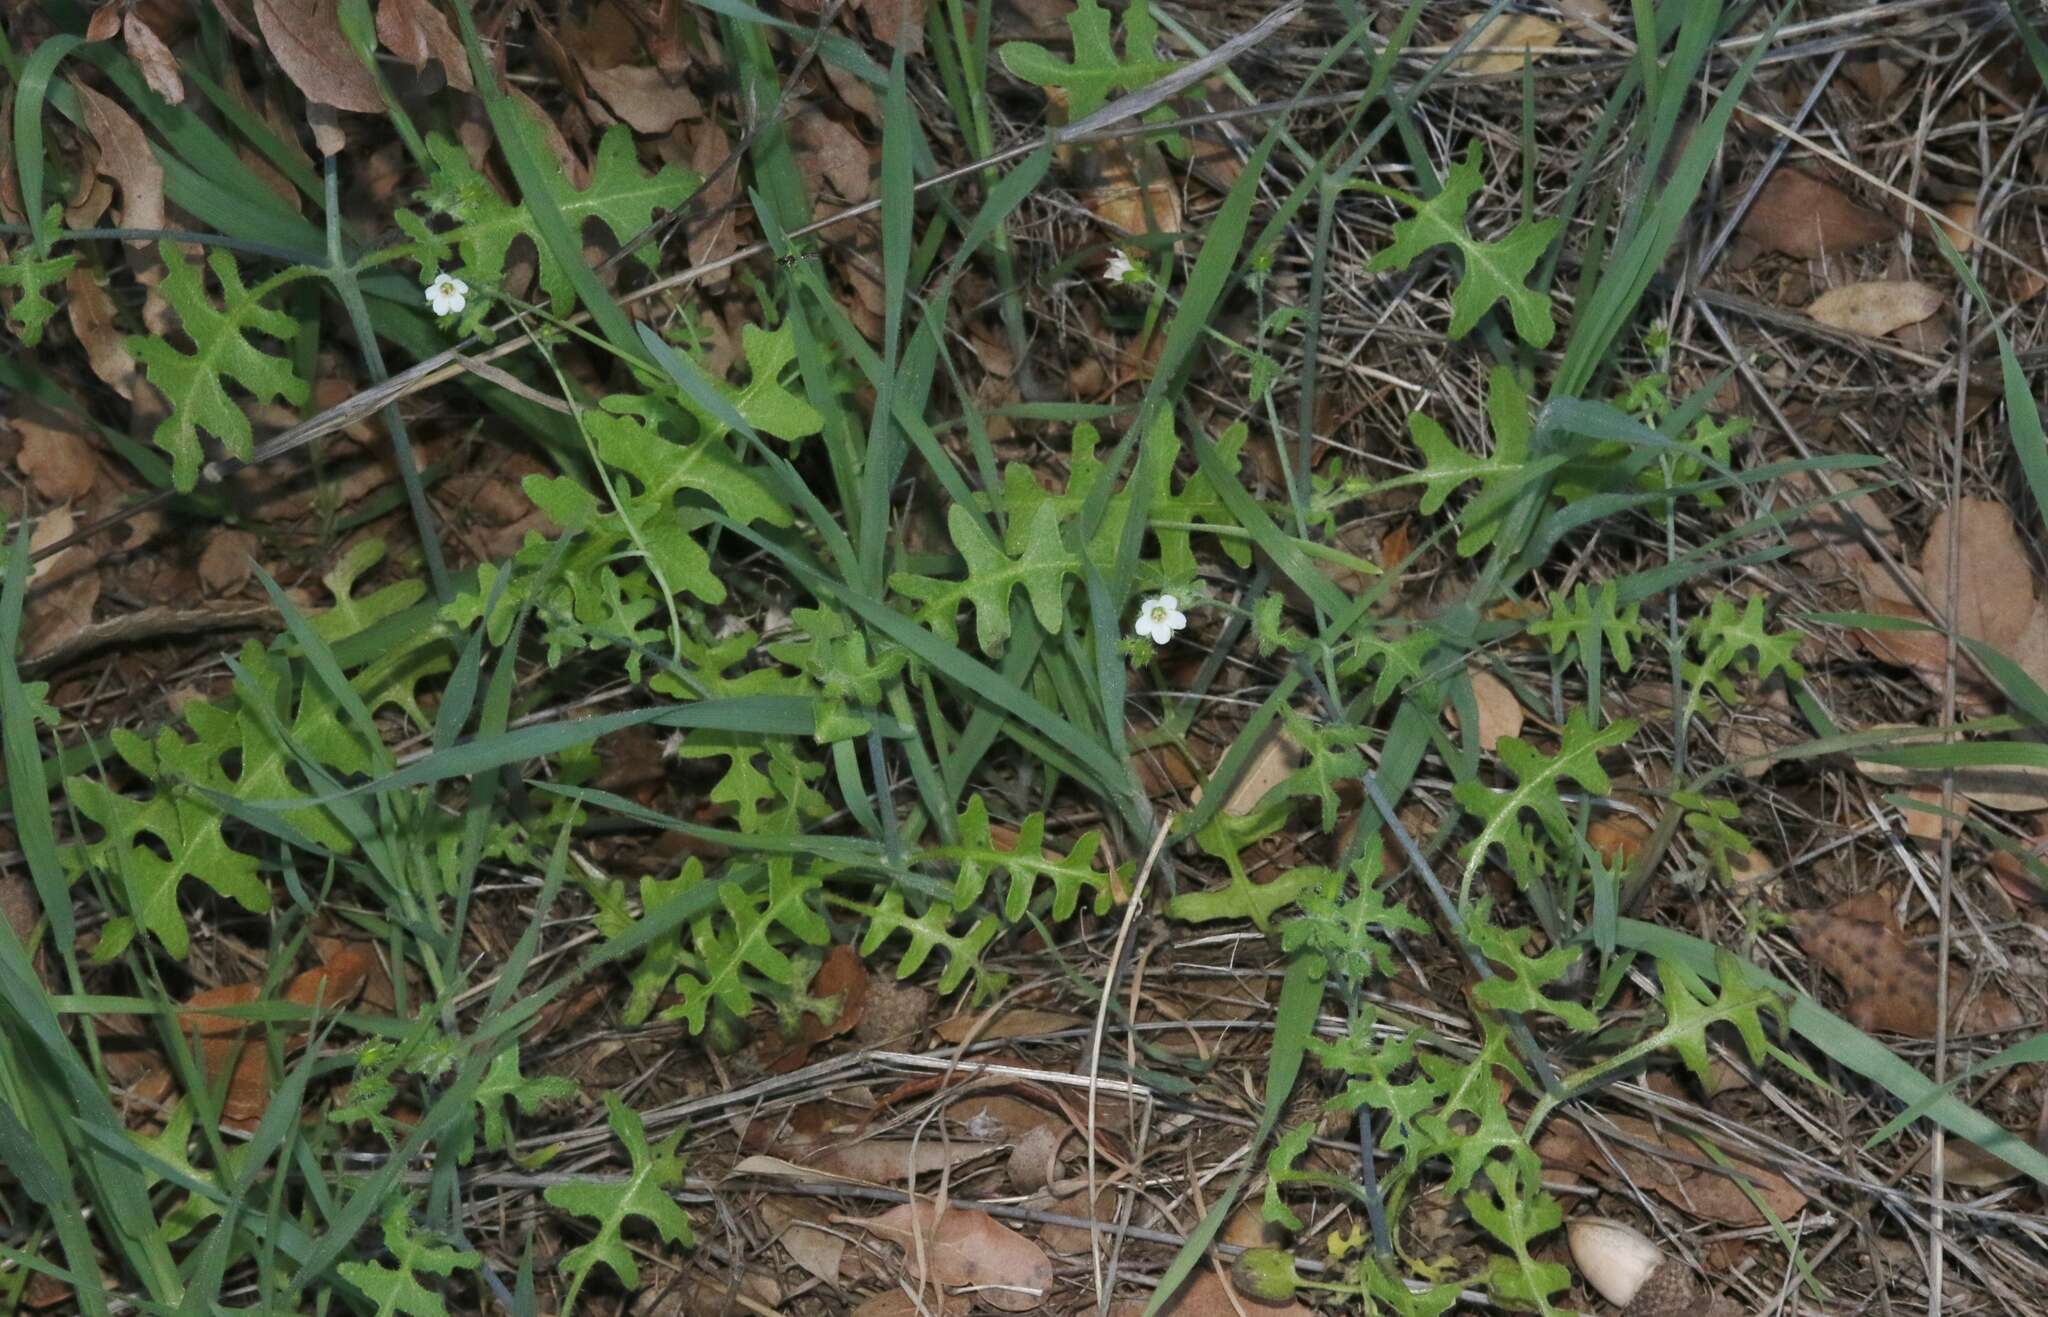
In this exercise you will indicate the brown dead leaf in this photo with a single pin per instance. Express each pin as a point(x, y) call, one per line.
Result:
point(1270, 765)
point(884, 1161)
point(895, 1013)
point(1504, 43)
point(1034, 1161)
point(1966, 1164)
point(899, 23)
point(125, 157)
point(1923, 818)
point(105, 21)
point(232, 1048)
point(1994, 581)
point(1876, 308)
point(961, 1246)
point(1890, 984)
point(1024, 1022)
point(901, 1303)
point(1586, 17)
point(91, 312)
point(227, 561)
point(1959, 224)
point(1706, 1194)
point(831, 157)
point(1619, 838)
point(304, 36)
point(1211, 1294)
point(1877, 79)
point(415, 31)
point(1802, 216)
point(62, 589)
point(1131, 191)
point(159, 66)
point(60, 464)
point(801, 1227)
point(1500, 713)
point(643, 97)
point(841, 974)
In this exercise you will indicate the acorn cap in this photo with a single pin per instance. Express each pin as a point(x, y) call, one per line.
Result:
point(1668, 1292)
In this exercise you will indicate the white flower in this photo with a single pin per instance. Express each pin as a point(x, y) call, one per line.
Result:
point(1159, 617)
point(1121, 269)
point(447, 294)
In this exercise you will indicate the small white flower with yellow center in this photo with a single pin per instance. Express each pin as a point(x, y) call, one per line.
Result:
point(1120, 269)
point(1159, 617)
point(447, 294)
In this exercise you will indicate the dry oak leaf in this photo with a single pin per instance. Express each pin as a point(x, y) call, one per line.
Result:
point(899, 23)
point(1876, 308)
point(126, 158)
point(1707, 1194)
point(1130, 191)
point(802, 1228)
point(1500, 713)
point(226, 561)
point(62, 589)
point(644, 97)
point(305, 38)
point(884, 1161)
point(1211, 1294)
point(1993, 580)
point(415, 31)
point(59, 463)
point(1024, 1022)
point(1504, 40)
point(159, 66)
point(1889, 983)
point(232, 1049)
point(1802, 216)
point(958, 1246)
point(92, 312)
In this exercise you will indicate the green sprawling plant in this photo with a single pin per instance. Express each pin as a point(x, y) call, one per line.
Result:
point(895, 719)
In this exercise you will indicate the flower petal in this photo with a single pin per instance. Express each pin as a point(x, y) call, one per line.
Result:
point(1167, 602)
point(1175, 620)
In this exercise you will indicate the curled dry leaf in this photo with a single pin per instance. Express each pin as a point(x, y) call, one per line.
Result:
point(159, 66)
point(1706, 1194)
point(415, 31)
point(957, 1246)
point(1503, 43)
point(1890, 984)
point(1802, 216)
point(1876, 308)
point(125, 157)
